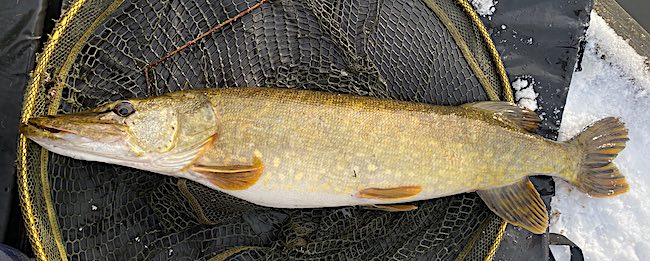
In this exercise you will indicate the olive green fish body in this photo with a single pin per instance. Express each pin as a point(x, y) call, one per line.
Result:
point(322, 145)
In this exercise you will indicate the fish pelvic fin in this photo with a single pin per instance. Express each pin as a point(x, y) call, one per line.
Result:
point(390, 193)
point(392, 208)
point(600, 143)
point(509, 113)
point(518, 204)
point(235, 177)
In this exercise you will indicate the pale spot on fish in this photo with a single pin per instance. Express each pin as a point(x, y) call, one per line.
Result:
point(372, 167)
point(311, 188)
point(340, 166)
point(257, 153)
point(267, 182)
point(290, 186)
point(298, 176)
point(276, 162)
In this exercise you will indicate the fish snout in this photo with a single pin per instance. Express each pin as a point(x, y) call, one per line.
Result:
point(46, 124)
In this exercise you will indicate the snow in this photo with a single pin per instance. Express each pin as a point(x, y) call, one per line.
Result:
point(525, 94)
point(614, 81)
point(485, 7)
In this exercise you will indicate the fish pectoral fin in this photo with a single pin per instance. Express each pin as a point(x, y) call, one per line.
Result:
point(390, 193)
point(391, 208)
point(519, 204)
point(510, 113)
point(234, 177)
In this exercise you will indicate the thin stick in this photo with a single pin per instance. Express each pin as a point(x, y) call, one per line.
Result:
point(188, 44)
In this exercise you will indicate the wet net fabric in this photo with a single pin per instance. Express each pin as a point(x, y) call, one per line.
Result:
point(391, 49)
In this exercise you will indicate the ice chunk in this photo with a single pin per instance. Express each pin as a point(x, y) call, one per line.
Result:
point(485, 7)
point(525, 94)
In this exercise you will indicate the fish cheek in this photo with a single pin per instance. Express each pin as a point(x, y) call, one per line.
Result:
point(154, 131)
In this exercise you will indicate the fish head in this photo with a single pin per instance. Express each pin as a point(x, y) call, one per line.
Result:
point(162, 134)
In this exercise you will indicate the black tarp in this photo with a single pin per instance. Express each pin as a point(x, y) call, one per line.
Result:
point(21, 25)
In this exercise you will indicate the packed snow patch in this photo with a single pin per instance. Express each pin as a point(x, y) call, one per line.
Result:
point(614, 81)
point(485, 7)
point(525, 94)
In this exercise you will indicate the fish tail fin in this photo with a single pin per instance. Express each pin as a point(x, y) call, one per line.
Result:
point(600, 143)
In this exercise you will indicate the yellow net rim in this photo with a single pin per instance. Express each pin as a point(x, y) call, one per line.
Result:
point(494, 54)
point(28, 110)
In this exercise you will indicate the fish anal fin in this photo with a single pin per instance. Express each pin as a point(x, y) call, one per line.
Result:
point(518, 204)
point(391, 208)
point(234, 177)
point(390, 193)
point(510, 114)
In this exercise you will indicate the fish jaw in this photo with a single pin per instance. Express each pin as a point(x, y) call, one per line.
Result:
point(83, 136)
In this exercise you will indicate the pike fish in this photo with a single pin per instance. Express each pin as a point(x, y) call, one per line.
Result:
point(307, 149)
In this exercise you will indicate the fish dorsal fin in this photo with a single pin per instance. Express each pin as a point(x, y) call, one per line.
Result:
point(519, 204)
point(235, 177)
point(509, 113)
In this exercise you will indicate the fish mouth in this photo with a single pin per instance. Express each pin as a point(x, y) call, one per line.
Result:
point(48, 129)
point(82, 136)
point(40, 127)
point(45, 128)
point(86, 125)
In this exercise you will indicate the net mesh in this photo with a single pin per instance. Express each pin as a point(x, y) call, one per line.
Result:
point(392, 49)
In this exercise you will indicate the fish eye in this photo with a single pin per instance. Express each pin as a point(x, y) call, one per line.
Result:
point(124, 109)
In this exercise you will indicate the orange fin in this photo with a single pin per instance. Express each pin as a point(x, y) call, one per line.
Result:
point(391, 208)
point(519, 204)
point(390, 193)
point(235, 177)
